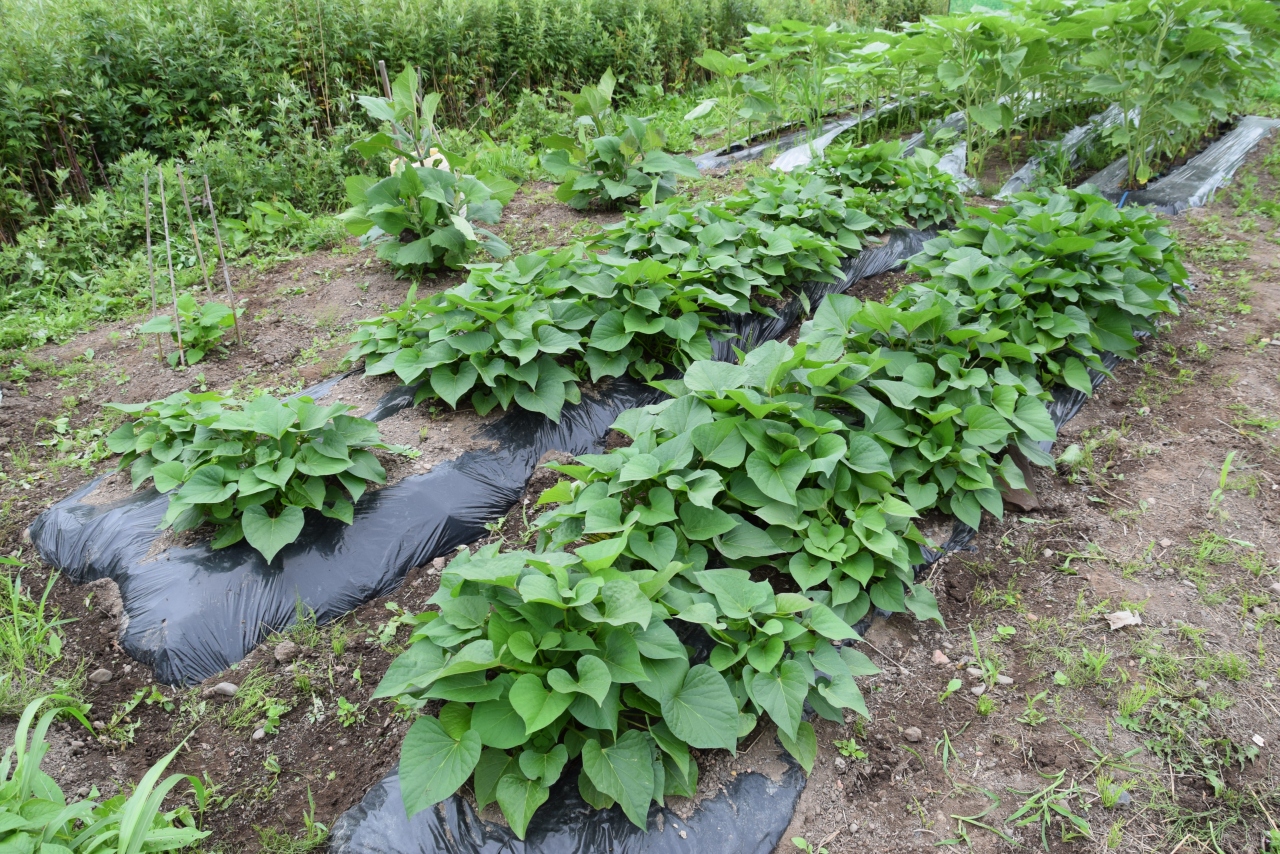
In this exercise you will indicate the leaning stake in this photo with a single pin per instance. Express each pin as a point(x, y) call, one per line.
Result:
point(182, 182)
point(173, 283)
point(151, 268)
point(222, 256)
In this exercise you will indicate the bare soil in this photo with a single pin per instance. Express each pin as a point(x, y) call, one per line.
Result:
point(1125, 532)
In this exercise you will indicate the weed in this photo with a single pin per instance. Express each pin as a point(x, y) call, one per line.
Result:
point(30, 645)
point(953, 686)
point(255, 707)
point(849, 748)
point(349, 714)
point(1050, 804)
point(1033, 717)
point(985, 706)
point(806, 846)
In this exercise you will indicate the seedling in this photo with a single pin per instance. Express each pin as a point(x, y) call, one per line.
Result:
point(849, 748)
point(1033, 717)
point(953, 686)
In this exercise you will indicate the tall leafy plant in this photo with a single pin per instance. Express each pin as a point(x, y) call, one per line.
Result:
point(613, 159)
point(424, 215)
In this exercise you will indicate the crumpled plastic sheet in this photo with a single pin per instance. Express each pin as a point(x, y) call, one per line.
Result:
point(1193, 184)
point(803, 154)
point(192, 611)
point(749, 817)
point(1070, 145)
point(744, 152)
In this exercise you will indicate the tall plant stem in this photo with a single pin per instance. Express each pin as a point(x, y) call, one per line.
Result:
point(173, 283)
point(151, 267)
point(186, 202)
point(222, 256)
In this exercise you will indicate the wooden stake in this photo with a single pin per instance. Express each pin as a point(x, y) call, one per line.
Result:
point(173, 283)
point(182, 182)
point(386, 82)
point(151, 268)
point(222, 256)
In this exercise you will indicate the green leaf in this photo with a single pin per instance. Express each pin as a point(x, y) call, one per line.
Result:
point(544, 766)
point(498, 724)
point(624, 772)
point(804, 746)
point(537, 706)
point(702, 711)
point(782, 694)
point(269, 535)
point(519, 798)
point(593, 679)
point(780, 481)
point(434, 765)
point(922, 603)
point(704, 523)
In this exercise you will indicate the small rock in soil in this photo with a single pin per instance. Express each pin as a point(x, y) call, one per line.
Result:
point(1165, 543)
point(439, 563)
point(83, 791)
point(841, 765)
point(259, 734)
point(1259, 740)
point(1004, 680)
point(225, 689)
point(1275, 588)
point(286, 651)
point(77, 745)
point(974, 672)
point(1202, 685)
point(940, 657)
point(912, 734)
point(978, 690)
point(100, 676)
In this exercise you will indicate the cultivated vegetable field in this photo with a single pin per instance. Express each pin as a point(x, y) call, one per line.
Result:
point(627, 453)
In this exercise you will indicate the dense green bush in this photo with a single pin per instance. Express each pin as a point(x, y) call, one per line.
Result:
point(1069, 276)
point(250, 468)
point(83, 82)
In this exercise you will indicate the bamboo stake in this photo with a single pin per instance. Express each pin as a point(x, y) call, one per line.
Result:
point(386, 82)
point(182, 182)
point(173, 283)
point(222, 256)
point(151, 268)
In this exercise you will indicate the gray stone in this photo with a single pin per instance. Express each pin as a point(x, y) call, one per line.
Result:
point(978, 690)
point(1275, 588)
point(912, 734)
point(259, 734)
point(1202, 685)
point(841, 765)
point(225, 689)
point(77, 745)
point(1165, 543)
point(100, 676)
point(974, 672)
point(1004, 680)
point(286, 651)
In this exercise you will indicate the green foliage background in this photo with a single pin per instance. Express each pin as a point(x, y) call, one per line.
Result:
point(83, 82)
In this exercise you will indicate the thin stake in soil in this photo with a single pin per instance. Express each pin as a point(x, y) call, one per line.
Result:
point(173, 283)
point(151, 268)
point(182, 182)
point(222, 257)
point(386, 82)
